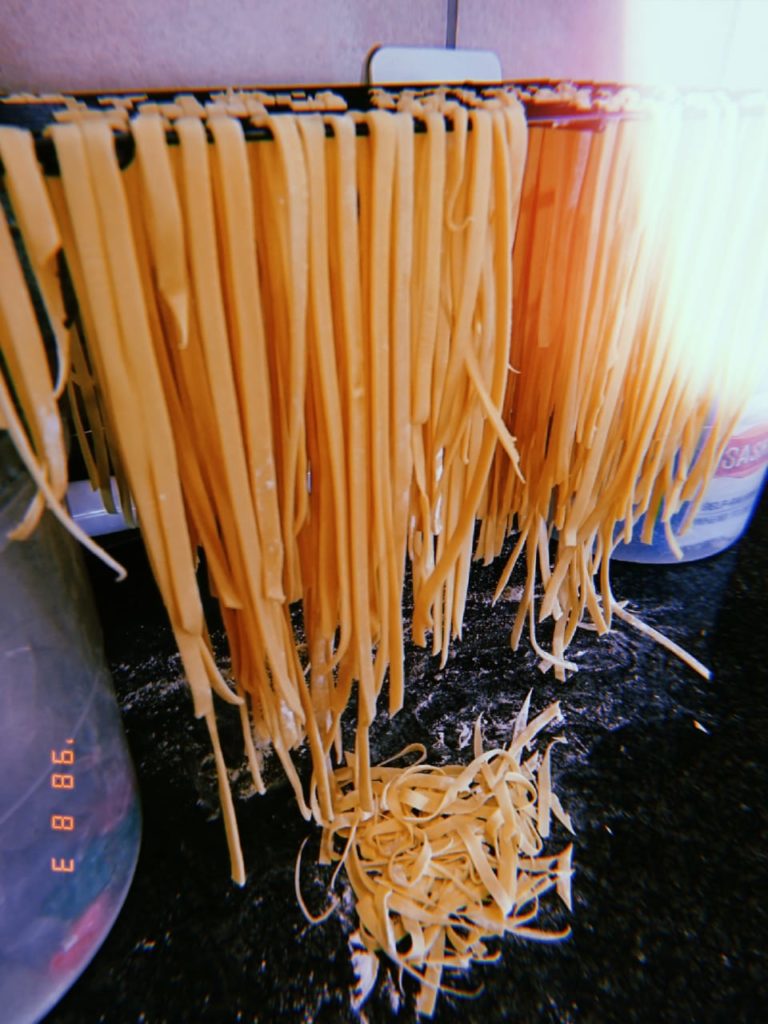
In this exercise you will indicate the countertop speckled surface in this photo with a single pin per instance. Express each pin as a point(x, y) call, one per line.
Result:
point(665, 777)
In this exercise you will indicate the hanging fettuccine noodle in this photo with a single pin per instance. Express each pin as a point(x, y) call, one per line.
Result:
point(639, 334)
point(28, 393)
point(258, 328)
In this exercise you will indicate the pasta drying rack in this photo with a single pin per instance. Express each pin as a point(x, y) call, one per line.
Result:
point(584, 105)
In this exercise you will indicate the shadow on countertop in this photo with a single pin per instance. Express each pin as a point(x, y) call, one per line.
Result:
point(665, 776)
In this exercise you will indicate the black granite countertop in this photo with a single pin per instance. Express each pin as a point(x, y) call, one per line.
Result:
point(664, 776)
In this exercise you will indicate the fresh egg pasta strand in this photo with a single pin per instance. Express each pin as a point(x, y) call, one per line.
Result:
point(383, 149)
point(322, 337)
point(106, 347)
point(198, 211)
point(140, 362)
point(130, 317)
point(82, 381)
point(164, 220)
point(286, 136)
point(400, 388)
point(24, 354)
point(494, 137)
point(345, 267)
point(270, 230)
point(427, 283)
point(165, 337)
point(42, 243)
point(250, 360)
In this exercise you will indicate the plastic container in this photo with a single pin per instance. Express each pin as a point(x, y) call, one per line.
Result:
point(728, 503)
point(69, 810)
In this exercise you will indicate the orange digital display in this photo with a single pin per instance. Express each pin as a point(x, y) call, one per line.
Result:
point(61, 822)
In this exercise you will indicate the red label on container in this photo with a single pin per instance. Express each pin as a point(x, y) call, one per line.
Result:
point(745, 453)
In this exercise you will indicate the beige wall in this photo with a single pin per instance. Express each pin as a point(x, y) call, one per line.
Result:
point(110, 44)
point(693, 43)
point(547, 38)
point(103, 44)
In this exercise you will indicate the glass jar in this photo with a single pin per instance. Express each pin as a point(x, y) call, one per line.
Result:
point(69, 808)
point(728, 503)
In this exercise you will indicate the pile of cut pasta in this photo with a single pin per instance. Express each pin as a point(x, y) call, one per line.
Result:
point(451, 856)
point(290, 331)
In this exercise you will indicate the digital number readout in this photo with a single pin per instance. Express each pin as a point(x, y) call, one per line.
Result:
point(61, 823)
